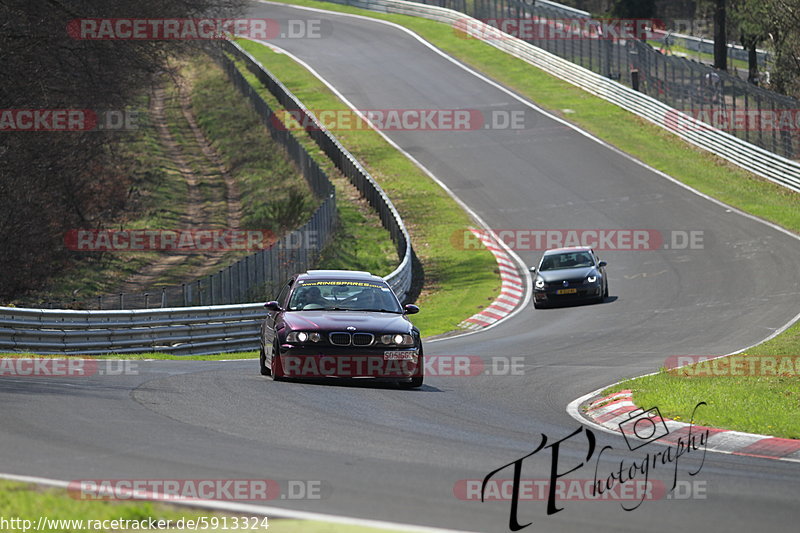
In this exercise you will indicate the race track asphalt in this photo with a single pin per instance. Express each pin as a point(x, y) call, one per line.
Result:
point(397, 455)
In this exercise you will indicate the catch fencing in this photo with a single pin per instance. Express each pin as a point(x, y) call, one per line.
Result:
point(683, 84)
point(603, 66)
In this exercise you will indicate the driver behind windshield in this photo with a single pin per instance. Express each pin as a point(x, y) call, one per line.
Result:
point(310, 296)
point(564, 261)
point(369, 299)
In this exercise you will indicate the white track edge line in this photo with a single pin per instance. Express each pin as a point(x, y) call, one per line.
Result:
point(257, 509)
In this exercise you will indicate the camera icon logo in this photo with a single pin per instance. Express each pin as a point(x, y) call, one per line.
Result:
point(647, 426)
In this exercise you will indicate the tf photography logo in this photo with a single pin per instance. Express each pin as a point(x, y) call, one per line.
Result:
point(642, 428)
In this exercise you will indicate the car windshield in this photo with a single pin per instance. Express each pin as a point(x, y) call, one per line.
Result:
point(343, 295)
point(566, 260)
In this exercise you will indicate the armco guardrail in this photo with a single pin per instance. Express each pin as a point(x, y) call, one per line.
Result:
point(400, 279)
point(706, 46)
point(769, 165)
point(180, 330)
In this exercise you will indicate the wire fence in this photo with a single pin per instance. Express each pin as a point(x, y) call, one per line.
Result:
point(764, 118)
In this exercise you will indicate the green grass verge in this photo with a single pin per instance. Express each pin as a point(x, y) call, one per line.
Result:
point(29, 502)
point(458, 283)
point(767, 401)
point(23, 501)
point(360, 241)
point(701, 57)
point(301, 526)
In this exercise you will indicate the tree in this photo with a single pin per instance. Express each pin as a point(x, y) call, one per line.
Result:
point(634, 9)
point(751, 19)
point(776, 24)
point(720, 35)
point(54, 181)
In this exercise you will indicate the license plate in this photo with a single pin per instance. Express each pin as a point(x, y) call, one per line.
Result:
point(399, 356)
point(566, 291)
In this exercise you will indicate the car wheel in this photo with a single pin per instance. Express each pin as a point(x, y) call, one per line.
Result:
point(600, 299)
point(416, 381)
point(262, 362)
point(537, 305)
point(605, 294)
point(277, 368)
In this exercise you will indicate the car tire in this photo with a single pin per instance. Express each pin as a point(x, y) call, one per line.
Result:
point(537, 305)
point(416, 381)
point(277, 368)
point(605, 294)
point(262, 362)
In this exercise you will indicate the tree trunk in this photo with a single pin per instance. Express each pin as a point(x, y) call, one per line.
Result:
point(752, 63)
point(720, 36)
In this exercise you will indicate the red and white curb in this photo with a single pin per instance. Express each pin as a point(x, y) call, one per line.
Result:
point(512, 291)
point(609, 411)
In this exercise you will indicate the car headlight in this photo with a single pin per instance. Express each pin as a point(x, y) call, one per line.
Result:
point(539, 284)
point(398, 339)
point(302, 336)
point(591, 279)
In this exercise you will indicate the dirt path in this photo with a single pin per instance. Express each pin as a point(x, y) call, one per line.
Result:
point(198, 211)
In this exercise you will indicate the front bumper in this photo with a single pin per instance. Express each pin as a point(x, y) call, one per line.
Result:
point(310, 362)
point(582, 292)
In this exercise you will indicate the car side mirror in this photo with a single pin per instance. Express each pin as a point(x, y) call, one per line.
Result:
point(410, 309)
point(532, 269)
point(273, 306)
point(601, 264)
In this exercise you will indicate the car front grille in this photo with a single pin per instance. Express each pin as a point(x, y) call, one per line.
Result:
point(363, 339)
point(339, 339)
point(356, 339)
